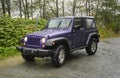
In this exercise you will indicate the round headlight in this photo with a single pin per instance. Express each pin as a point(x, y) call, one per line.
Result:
point(25, 39)
point(43, 40)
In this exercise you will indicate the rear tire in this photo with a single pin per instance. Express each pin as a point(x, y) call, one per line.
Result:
point(27, 57)
point(59, 57)
point(92, 47)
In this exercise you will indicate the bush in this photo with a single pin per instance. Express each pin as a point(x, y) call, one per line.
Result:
point(11, 30)
point(8, 52)
point(106, 32)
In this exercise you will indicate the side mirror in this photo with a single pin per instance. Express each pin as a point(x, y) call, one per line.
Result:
point(77, 27)
point(82, 28)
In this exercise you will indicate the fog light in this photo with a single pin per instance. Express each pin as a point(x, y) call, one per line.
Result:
point(43, 46)
point(24, 43)
point(53, 43)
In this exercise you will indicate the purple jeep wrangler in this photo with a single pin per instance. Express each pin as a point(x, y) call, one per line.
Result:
point(61, 36)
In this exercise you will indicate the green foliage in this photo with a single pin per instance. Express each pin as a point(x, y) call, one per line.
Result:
point(11, 30)
point(106, 32)
point(108, 15)
point(8, 52)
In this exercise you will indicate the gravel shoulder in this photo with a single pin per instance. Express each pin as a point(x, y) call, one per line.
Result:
point(104, 64)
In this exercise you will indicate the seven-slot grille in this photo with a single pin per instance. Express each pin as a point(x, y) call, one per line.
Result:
point(33, 41)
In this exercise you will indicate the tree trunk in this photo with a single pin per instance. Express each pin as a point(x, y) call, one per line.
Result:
point(24, 9)
point(44, 8)
point(57, 14)
point(89, 7)
point(63, 7)
point(86, 5)
point(20, 8)
point(31, 9)
point(27, 8)
point(96, 13)
point(8, 7)
point(74, 6)
point(40, 12)
point(3, 6)
point(115, 19)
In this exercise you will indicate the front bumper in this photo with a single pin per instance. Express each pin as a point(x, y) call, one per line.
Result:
point(34, 52)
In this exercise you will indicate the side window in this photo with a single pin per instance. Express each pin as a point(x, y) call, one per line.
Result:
point(90, 23)
point(78, 23)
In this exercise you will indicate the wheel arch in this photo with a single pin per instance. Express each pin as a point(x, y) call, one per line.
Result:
point(93, 35)
point(58, 41)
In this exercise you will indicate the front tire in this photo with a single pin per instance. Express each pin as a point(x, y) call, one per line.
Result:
point(27, 57)
point(92, 47)
point(59, 56)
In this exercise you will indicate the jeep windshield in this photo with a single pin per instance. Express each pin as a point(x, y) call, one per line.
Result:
point(59, 23)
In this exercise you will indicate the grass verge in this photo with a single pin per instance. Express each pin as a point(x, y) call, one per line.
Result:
point(107, 33)
point(6, 52)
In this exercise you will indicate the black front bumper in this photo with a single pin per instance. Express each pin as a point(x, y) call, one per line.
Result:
point(34, 52)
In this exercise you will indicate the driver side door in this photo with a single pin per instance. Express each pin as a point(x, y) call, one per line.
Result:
point(78, 33)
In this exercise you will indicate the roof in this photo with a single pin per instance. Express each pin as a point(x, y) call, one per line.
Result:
point(76, 17)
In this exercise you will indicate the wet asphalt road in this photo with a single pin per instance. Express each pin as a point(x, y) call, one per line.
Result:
point(104, 64)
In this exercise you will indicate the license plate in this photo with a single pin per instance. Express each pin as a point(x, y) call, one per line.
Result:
point(28, 51)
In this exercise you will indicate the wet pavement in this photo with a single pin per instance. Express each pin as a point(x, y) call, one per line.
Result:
point(104, 64)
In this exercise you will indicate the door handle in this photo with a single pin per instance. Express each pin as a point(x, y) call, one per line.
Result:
point(82, 28)
point(74, 31)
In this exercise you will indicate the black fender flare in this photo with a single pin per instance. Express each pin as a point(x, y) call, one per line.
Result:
point(92, 35)
point(49, 42)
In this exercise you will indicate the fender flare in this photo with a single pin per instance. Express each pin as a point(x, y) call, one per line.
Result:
point(49, 42)
point(89, 37)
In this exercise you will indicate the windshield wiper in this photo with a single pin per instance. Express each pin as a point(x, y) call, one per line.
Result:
point(59, 24)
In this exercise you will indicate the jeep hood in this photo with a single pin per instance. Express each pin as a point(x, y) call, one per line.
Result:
point(49, 32)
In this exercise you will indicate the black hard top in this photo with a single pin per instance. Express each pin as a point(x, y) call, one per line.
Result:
point(76, 17)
